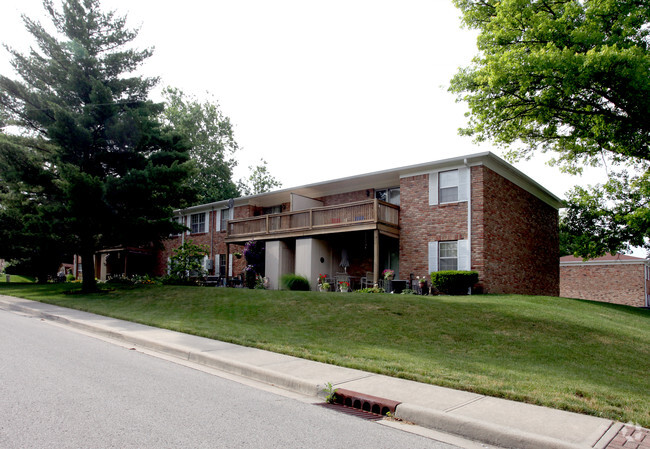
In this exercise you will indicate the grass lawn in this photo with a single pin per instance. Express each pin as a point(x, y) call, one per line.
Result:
point(16, 278)
point(575, 355)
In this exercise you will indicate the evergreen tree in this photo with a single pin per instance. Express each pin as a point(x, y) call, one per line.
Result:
point(82, 147)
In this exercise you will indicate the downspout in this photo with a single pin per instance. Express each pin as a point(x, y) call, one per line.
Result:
point(469, 213)
point(645, 283)
point(212, 226)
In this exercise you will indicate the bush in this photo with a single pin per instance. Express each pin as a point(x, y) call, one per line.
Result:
point(120, 280)
point(371, 290)
point(295, 282)
point(70, 278)
point(172, 279)
point(454, 282)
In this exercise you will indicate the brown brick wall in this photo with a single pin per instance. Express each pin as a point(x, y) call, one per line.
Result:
point(217, 239)
point(618, 284)
point(348, 197)
point(514, 234)
point(520, 240)
point(420, 224)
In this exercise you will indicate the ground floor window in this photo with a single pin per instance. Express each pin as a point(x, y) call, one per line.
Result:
point(449, 255)
point(448, 259)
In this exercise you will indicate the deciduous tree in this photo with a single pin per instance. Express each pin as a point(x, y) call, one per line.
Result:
point(212, 143)
point(570, 77)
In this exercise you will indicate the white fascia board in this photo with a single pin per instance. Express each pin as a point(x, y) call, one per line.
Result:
point(390, 178)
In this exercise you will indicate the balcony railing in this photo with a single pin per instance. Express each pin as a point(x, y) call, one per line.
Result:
point(369, 214)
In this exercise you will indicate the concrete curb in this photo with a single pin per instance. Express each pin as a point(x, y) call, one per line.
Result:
point(473, 429)
point(467, 427)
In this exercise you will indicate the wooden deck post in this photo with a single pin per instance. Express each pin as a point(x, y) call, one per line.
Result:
point(375, 262)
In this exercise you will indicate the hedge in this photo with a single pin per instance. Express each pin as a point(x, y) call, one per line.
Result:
point(454, 282)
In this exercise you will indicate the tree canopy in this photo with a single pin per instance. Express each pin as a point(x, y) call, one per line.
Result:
point(569, 77)
point(84, 158)
point(212, 143)
point(259, 181)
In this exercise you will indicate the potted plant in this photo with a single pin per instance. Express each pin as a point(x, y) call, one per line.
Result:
point(388, 274)
point(324, 287)
point(344, 286)
point(422, 282)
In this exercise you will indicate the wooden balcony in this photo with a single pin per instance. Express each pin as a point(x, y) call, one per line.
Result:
point(358, 216)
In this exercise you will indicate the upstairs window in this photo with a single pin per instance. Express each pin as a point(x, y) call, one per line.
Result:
point(225, 216)
point(197, 222)
point(388, 195)
point(448, 186)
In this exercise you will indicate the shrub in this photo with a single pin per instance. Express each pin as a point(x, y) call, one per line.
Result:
point(70, 278)
point(371, 290)
point(119, 280)
point(295, 282)
point(454, 282)
point(172, 279)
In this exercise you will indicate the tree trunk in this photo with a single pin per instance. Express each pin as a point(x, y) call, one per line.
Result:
point(89, 285)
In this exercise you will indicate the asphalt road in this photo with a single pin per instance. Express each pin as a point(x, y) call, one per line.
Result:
point(62, 389)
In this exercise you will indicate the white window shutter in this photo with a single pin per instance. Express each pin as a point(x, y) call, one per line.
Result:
point(463, 183)
point(464, 255)
point(433, 257)
point(433, 189)
point(229, 265)
point(207, 222)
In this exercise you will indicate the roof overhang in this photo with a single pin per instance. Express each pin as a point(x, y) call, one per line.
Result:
point(389, 178)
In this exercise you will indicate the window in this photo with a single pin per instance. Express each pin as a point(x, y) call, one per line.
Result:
point(197, 223)
point(272, 210)
point(448, 186)
point(448, 256)
point(222, 264)
point(225, 216)
point(388, 195)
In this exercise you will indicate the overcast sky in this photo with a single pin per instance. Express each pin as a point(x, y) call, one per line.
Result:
point(318, 89)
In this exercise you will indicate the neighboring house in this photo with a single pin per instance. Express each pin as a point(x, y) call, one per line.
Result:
point(475, 212)
point(618, 279)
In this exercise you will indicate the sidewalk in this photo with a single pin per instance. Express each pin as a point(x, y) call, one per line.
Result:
point(490, 420)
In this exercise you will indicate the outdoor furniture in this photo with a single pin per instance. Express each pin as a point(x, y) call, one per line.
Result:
point(367, 280)
point(342, 277)
point(212, 281)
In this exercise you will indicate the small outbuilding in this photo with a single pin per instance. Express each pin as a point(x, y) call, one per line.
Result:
point(614, 278)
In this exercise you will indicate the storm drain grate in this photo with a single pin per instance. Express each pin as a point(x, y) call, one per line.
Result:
point(365, 402)
point(368, 416)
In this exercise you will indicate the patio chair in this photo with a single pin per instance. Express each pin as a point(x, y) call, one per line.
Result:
point(342, 278)
point(367, 280)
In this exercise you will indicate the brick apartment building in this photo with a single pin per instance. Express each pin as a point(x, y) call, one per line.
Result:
point(617, 279)
point(474, 212)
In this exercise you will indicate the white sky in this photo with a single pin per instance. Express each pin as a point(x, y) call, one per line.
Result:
point(320, 90)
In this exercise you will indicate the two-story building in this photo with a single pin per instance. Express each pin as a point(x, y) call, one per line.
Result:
point(475, 212)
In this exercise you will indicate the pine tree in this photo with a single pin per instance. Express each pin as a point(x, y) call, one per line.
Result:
point(82, 145)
